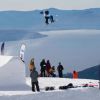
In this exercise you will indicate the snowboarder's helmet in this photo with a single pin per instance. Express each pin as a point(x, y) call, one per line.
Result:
point(46, 12)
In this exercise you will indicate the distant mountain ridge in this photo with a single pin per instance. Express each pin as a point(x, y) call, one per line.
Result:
point(64, 19)
point(89, 73)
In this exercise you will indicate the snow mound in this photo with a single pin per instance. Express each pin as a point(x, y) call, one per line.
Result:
point(4, 60)
point(12, 73)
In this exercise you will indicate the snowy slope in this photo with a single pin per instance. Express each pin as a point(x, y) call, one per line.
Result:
point(12, 73)
point(34, 49)
point(76, 49)
point(56, 82)
point(4, 60)
point(85, 93)
point(23, 91)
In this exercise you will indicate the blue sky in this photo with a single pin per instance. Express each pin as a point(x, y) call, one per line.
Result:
point(41, 4)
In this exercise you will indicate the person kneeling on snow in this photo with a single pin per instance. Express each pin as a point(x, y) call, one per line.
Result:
point(34, 80)
point(51, 71)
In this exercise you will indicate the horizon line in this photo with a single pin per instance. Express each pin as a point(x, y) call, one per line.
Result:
point(49, 8)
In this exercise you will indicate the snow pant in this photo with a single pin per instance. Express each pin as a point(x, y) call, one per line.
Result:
point(37, 86)
point(60, 74)
point(43, 73)
point(47, 20)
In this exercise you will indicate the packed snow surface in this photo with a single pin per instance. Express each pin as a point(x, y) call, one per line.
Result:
point(35, 49)
point(4, 60)
point(79, 93)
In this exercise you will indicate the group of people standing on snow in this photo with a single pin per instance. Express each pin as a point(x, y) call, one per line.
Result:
point(46, 70)
point(49, 71)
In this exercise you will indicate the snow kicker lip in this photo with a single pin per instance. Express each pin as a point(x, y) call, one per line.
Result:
point(4, 60)
point(12, 73)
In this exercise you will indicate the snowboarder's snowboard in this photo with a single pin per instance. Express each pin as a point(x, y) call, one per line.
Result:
point(49, 88)
point(70, 85)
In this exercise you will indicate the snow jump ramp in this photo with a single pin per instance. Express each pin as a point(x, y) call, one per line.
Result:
point(12, 73)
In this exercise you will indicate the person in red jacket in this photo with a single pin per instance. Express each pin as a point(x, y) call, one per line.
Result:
point(48, 67)
point(75, 74)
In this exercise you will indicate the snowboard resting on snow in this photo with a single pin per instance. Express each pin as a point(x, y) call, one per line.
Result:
point(70, 85)
point(49, 88)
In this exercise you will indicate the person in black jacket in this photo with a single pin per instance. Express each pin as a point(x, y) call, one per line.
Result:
point(43, 68)
point(60, 70)
point(34, 80)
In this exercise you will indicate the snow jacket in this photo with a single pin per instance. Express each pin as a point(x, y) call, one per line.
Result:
point(31, 65)
point(48, 67)
point(75, 75)
point(34, 75)
point(60, 68)
point(43, 65)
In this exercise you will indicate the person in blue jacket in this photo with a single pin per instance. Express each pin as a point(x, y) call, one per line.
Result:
point(34, 80)
point(60, 70)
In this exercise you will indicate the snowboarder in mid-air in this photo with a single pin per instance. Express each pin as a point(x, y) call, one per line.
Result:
point(48, 18)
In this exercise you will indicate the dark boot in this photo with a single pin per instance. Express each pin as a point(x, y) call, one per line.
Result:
point(33, 86)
